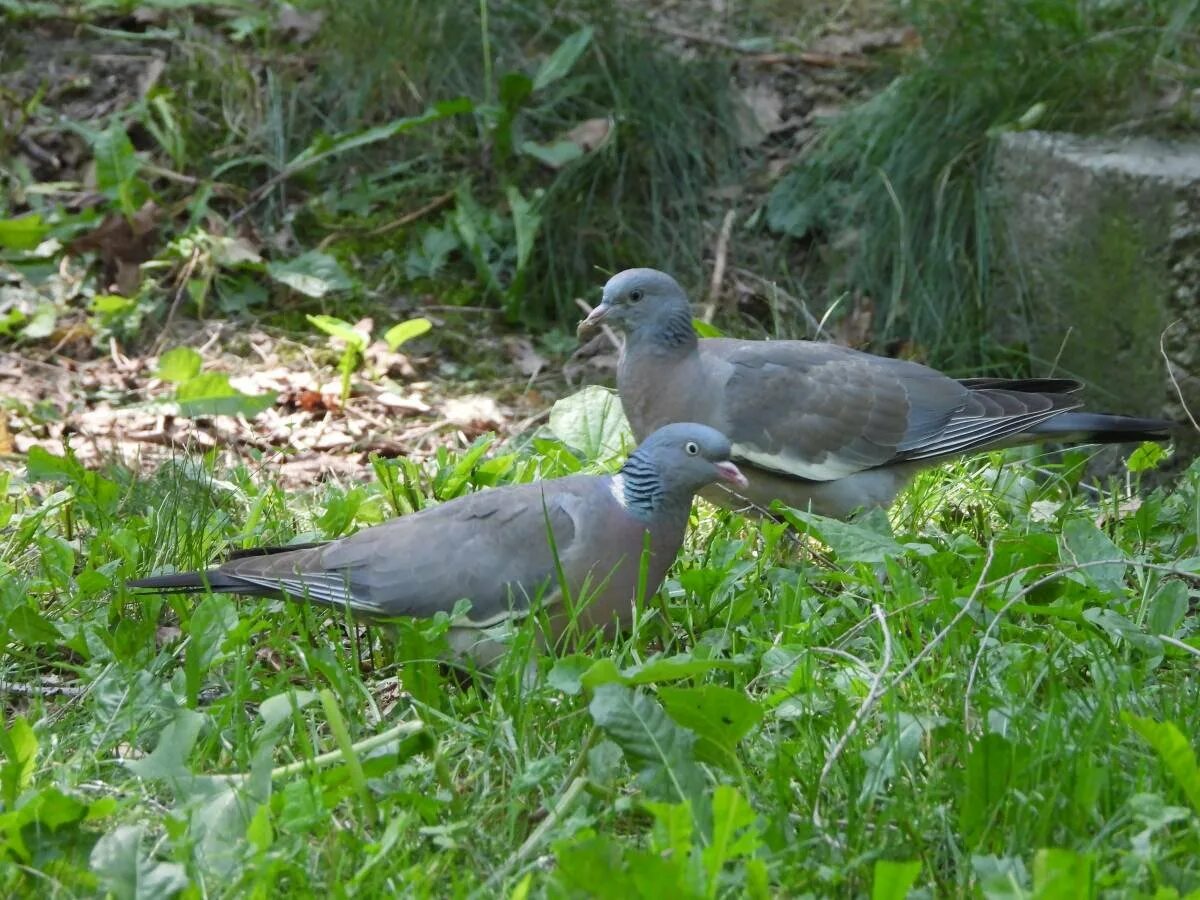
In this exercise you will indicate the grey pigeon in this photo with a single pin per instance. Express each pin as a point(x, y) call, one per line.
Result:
point(493, 548)
point(819, 426)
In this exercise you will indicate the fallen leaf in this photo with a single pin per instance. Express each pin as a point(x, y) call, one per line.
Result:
point(332, 439)
point(523, 355)
point(6, 441)
point(389, 362)
point(591, 134)
point(123, 244)
point(866, 40)
point(765, 105)
point(409, 404)
point(311, 401)
point(856, 328)
point(300, 25)
point(477, 412)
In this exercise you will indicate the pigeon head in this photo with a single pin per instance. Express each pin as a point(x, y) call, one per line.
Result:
point(674, 463)
point(645, 304)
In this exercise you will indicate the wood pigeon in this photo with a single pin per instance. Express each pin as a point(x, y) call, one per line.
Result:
point(497, 548)
point(818, 426)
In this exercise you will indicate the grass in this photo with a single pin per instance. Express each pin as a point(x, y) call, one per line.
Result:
point(991, 696)
point(989, 693)
point(899, 185)
point(251, 132)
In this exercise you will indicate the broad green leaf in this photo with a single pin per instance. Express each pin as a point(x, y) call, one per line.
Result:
point(212, 619)
point(23, 232)
point(568, 671)
point(896, 746)
point(850, 541)
point(95, 493)
point(1167, 608)
point(526, 222)
point(706, 329)
point(559, 63)
point(1063, 875)
point(331, 146)
point(655, 747)
point(1083, 542)
point(734, 830)
point(992, 764)
point(1174, 750)
point(719, 716)
point(592, 423)
point(169, 758)
point(117, 168)
point(406, 331)
point(276, 710)
point(654, 670)
point(179, 365)
point(1001, 877)
point(436, 246)
point(892, 880)
point(1146, 458)
point(555, 155)
point(211, 394)
point(20, 746)
point(340, 329)
point(31, 628)
point(514, 89)
point(42, 323)
point(56, 809)
point(126, 873)
point(111, 304)
point(313, 274)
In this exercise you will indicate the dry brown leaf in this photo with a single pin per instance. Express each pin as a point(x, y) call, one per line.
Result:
point(477, 412)
point(299, 25)
point(388, 362)
point(123, 244)
point(866, 40)
point(523, 355)
point(856, 328)
point(590, 134)
point(410, 404)
point(762, 113)
point(6, 441)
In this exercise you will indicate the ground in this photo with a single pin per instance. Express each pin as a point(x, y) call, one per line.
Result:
point(267, 282)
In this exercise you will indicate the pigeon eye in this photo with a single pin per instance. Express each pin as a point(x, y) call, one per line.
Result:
point(635, 295)
point(692, 448)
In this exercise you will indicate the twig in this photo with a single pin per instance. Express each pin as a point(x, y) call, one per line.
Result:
point(539, 834)
point(184, 277)
point(876, 691)
point(1044, 580)
point(404, 729)
point(407, 219)
point(807, 58)
point(954, 620)
point(718, 274)
point(1162, 348)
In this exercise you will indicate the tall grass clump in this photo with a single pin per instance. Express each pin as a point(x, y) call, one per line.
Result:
point(534, 216)
point(899, 181)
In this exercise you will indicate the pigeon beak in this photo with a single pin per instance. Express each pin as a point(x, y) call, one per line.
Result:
point(727, 471)
point(589, 326)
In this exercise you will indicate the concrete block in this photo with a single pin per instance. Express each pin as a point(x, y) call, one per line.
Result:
point(1099, 265)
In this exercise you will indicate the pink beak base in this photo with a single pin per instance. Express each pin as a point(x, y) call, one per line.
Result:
point(732, 474)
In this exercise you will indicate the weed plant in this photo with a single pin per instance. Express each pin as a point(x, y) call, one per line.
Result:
point(992, 694)
point(900, 182)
